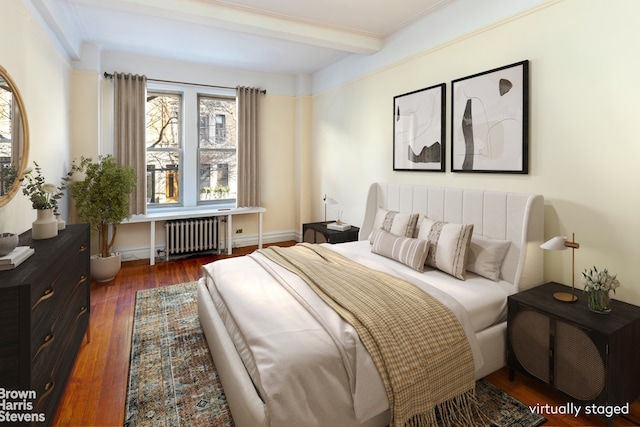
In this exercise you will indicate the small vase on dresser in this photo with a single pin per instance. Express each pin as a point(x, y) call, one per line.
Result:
point(45, 226)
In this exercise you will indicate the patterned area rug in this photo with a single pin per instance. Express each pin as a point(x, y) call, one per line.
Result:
point(173, 381)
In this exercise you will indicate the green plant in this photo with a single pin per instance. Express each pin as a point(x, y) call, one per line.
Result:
point(102, 197)
point(42, 194)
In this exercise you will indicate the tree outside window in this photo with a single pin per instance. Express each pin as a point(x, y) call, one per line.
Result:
point(164, 148)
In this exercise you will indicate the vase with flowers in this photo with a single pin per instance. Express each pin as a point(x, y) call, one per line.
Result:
point(598, 284)
point(44, 199)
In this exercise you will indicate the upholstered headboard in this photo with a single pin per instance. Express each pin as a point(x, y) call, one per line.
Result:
point(517, 217)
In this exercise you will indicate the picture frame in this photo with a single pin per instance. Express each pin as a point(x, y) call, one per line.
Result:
point(419, 130)
point(490, 121)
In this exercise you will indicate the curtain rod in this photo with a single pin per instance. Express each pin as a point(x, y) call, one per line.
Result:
point(110, 76)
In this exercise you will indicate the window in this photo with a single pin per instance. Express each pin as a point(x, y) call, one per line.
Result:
point(164, 148)
point(191, 146)
point(217, 148)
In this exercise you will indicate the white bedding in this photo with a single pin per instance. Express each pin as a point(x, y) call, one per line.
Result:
point(276, 322)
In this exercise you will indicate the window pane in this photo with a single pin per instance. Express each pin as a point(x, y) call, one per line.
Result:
point(163, 148)
point(217, 175)
point(217, 148)
point(163, 177)
point(163, 120)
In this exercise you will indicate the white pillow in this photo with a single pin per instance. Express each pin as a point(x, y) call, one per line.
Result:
point(448, 245)
point(486, 255)
point(400, 224)
point(410, 252)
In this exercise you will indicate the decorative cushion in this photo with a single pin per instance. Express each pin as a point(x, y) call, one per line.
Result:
point(448, 245)
point(400, 224)
point(486, 255)
point(410, 252)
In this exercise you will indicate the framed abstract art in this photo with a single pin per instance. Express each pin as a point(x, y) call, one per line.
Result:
point(419, 130)
point(489, 121)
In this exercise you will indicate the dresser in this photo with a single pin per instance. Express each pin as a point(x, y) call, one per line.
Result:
point(44, 316)
point(591, 358)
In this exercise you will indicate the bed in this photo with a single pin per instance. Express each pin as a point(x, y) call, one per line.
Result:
point(272, 389)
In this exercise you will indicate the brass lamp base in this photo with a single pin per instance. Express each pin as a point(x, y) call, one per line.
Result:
point(565, 297)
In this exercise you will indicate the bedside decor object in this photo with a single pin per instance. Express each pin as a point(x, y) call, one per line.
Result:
point(44, 198)
point(45, 226)
point(338, 226)
point(8, 242)
point(560, 243)
point(327, 201)
point(597, 284)
point(16, 257)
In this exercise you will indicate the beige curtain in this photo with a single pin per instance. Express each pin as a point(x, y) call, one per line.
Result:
point(130, 93)
point(248, 147)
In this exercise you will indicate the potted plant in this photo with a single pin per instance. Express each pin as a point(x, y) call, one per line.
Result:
point(102, 201)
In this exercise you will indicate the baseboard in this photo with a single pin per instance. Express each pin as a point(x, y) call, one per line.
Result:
point(239, 241)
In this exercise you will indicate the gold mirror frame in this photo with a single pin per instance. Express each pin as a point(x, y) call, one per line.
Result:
point(4, 199)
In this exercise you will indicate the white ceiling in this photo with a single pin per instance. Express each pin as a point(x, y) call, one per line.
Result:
point(284, 36)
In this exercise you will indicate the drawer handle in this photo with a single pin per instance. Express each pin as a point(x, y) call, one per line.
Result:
point(83, 279)
point(82, 311)
point(83, 248)
point(48, 293)
point(48, 389)
point(45, 343)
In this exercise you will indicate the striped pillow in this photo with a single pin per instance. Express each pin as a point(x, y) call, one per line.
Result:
point(448, 245)
point(410, 252)
point(400, 224)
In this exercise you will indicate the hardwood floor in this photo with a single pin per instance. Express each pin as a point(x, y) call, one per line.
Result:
point(96, 391)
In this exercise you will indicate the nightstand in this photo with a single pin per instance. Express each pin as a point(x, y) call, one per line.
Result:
point(317, 232)
point(590, 358)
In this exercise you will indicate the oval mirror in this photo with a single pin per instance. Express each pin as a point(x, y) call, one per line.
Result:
point(14, 138)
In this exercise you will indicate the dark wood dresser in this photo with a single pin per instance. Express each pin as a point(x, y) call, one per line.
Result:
point(44, 315)
point(590, 358)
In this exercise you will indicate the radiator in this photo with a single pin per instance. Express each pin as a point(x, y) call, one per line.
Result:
point(185, 236)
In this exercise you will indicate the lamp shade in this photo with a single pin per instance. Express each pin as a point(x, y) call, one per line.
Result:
point(330, 201)
point(555, 244)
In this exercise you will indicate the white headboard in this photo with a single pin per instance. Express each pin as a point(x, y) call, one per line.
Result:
point(517, 217)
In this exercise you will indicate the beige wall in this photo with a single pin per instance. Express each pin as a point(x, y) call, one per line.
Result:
point(42, 77)
point(584, 138)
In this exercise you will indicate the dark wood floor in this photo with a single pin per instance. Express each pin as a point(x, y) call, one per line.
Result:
point(96, 391)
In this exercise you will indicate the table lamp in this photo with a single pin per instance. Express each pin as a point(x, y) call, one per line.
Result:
point(560, 243)
point(327, 201)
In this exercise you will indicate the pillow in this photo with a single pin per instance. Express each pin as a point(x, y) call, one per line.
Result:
point(486, 255)
point(448, 245)
point(400, 224)
point(410, 252)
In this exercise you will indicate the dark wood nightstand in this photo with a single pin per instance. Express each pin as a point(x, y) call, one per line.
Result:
point(590, 358)
point(317, 232)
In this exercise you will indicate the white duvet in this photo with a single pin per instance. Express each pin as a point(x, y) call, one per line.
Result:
point(307, 364)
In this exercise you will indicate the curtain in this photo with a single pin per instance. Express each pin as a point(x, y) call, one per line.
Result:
point(130, 93)
point(248, 147)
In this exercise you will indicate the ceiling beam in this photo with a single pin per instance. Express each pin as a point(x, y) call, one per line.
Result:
point(250, 22)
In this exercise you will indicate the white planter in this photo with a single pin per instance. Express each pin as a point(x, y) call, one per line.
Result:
point(105, 269)
point(45, 226)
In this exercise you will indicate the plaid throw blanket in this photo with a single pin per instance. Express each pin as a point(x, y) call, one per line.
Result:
point(416, 343)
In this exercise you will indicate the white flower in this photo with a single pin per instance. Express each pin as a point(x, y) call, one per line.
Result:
point(599, 280)
point(49, 188)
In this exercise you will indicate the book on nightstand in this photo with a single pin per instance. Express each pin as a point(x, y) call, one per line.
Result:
point(338, 227)
point(15, 257)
